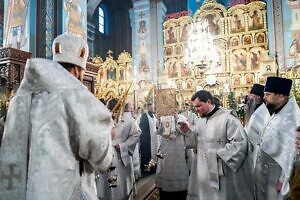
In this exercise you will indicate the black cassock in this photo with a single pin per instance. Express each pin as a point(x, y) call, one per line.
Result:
point(145, 140)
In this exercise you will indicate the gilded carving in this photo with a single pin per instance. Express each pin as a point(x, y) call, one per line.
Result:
point(239, 35)
point(113, 75)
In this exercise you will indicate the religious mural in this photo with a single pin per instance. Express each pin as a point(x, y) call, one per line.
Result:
point(16, 32)
point(257, 54)
point(255, 20)
point(175, 39)
point(234, 41)
point(184, 32)
point(247, 40)
point(142, 27)
point(260, 38)
point(295, 46)
point(111, 72)
point(143, 94)
point(249, 79)
point(238, 22)
point(147, 48)
point(236, 80)
point(75, 20)
point(213, 21)
point(294, 49)
point(171, 36)
point(239, 60)
point(143, 66)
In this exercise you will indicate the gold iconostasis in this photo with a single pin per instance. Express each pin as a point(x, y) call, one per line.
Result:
point(240, 37)
point(115, 77)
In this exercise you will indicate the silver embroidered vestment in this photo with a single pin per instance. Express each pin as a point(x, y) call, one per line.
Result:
point(221, 151)
point(52, 123)
point(127, 136)
point(172, 170)
point(276, 153)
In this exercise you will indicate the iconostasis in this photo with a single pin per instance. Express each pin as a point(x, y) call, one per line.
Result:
point(240, 38)
point(113, 76)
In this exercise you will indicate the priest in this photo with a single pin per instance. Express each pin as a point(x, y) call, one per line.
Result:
point(53, 125)
point(148, 139)
point(254, 99)
point(126, 138)
point(221, 150)
point(276, 151)
point(172, 174)
point(258, 114)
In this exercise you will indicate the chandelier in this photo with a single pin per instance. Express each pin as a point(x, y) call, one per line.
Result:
point(200, 52)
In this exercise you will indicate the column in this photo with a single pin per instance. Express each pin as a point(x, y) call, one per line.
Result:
point(147, 39)
point(158, 12)
point(278, 33)
point(16, 25)
point(45, 28)
point(141, 53)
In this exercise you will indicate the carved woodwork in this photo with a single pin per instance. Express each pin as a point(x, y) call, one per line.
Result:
point(90, 74)
point(12, 65)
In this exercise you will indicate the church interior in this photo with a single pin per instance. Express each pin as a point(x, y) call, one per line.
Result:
point(158, 51)
point(150, 46)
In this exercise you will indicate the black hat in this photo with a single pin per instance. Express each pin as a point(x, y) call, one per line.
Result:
point(258, 90)
point(278, 85)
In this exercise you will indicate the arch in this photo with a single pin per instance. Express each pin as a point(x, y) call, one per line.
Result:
point(103, 19)
point(91, 7)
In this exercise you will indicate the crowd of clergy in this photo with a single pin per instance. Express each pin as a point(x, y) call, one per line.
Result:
point(205, 152)
point(60, 142)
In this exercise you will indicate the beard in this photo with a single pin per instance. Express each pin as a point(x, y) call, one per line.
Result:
point(251, 107)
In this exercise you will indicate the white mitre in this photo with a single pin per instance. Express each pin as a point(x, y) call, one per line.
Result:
point(70, 48)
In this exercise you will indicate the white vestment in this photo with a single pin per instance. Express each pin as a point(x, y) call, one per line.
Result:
point(154, 137)
point(172, 170)
point(53, 122)
point(276, 153)
point(192, 119)
point(219, 173)
point(136, 156)
point(127, 135)
point(254, 129)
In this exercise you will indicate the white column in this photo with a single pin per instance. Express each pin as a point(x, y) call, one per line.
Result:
point(147, 39)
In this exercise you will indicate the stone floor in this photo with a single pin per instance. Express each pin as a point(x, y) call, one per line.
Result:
point(146, 189)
